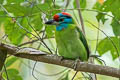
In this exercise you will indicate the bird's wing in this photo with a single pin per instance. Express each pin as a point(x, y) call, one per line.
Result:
point(83, 39)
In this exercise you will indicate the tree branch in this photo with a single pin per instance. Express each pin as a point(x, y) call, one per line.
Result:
point(37, 55)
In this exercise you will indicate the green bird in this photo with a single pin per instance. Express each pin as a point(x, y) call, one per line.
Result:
point(70, 40)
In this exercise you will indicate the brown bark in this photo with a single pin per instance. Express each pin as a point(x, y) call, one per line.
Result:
point(37, 55)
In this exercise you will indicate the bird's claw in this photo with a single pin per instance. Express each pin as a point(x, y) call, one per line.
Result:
point(76, 63)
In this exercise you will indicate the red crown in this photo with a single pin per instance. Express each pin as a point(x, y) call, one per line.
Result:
point(56, 16)
point(64, 13)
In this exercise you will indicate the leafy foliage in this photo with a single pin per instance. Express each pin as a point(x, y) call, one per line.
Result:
point(20, 9)
point(13, 74)
point(116, 27)
point(14, 32)
point(2, 17)
point(106, 45)
point(11, 61)
point(113, 7)
point(82, 3)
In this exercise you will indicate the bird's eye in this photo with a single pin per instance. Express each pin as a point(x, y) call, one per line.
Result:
point(61, 19)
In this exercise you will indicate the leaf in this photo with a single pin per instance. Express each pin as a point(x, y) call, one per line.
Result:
point(13, 74)
point(53, 11)
point(101, 17)
point(66, 77)
point(50, 31)
point(97, 5)
point(1, 1)
point(18, 10)
point(37, 22)
point(14, 32)
point(2, 17)
point(14, 1)
point(106, 45)
point(44, 7)
point(11, 61)
point(112, 6)
point(116, 27)
point(24, 24)
point(56, 11)
point(82, 3)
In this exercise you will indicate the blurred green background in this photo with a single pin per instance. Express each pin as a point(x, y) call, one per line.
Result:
point(17, 17)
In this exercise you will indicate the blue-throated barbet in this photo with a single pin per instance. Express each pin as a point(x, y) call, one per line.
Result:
point(70, 40)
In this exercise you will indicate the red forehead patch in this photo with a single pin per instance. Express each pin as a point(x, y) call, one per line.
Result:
point(56, 17)
point(64, 13)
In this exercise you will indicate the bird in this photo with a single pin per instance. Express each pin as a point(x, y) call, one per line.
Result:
point(70, 40)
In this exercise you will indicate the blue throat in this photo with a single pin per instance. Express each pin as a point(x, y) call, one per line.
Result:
point(63, 25)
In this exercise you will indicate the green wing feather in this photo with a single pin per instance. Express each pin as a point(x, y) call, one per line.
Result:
point(84, 41)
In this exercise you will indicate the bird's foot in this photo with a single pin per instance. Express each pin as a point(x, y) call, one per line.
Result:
point(76, 63)
point(62, 58)
point(75, 67)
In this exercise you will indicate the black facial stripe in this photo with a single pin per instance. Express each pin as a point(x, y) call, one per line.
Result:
point(68, 16)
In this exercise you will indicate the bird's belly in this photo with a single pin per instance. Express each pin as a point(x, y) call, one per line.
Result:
point(68, 49)
point(70, 46)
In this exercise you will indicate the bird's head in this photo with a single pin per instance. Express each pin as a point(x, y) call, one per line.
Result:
point(61, 20)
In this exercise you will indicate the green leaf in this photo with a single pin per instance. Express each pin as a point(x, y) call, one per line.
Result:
point(18, 10)
point(14, 1)
point(2, 17)
point(116, 27)
point(56, 11)
point(82, 3)
point(24, 24)
point(13, 74)
point(66, 77)
point(50, 31)
point(97, 5)
point(48, 1)
point(37, 22)
point(11, 61)
point(106, 45)
point(14, 32)
point(1, 1)
point(44, 7)
point(112, 6)
point(101, 17)
point(53, 11)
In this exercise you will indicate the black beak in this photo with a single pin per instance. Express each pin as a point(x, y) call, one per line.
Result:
point(51, 22)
